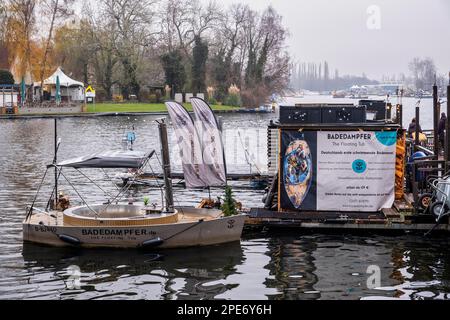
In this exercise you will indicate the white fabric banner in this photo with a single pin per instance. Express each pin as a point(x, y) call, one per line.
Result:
point(212, 145)
point(189, 144)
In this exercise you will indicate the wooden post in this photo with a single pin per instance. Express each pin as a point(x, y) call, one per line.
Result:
point(166, 166)
point(399, 111)
point(417, 140)
point(402, 91)
point(271, 193)
point(436, 121)
point(447, 127)
point(220, 123)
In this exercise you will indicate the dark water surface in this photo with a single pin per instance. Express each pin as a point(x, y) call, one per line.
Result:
point(286, 265)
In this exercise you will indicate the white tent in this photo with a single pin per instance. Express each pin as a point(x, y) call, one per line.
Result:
point(64, 80)
point(74, 89)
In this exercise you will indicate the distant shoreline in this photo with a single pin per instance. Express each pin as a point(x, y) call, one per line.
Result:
point(113, 109)
point(110, 114)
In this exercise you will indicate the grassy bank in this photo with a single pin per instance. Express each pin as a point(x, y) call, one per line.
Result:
point(142, 107)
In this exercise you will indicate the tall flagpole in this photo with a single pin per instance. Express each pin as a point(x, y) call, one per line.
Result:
point(55, 160)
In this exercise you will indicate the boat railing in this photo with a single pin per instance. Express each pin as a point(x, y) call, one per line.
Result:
point(34, 209)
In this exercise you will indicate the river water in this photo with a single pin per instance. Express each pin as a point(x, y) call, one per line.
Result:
point(283, 265)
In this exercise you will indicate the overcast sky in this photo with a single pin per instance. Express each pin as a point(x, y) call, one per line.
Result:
point(337, 31)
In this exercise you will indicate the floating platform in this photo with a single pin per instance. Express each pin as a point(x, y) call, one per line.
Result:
point(399, 219)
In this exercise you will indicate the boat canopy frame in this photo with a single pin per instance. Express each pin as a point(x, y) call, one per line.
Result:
point(103, 160)
point(125, 159)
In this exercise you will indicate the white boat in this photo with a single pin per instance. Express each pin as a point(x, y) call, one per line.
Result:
point(129, 226)
point(338, 94)
point(124, 225)
point(358, 96)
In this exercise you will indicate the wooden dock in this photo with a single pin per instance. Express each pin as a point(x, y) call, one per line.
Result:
point(399, 219)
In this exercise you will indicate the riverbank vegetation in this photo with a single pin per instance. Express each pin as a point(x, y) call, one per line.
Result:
point(149, 49)
point(143, 107)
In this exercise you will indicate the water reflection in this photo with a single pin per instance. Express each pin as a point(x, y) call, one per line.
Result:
point(292, 268)
point(311, 267)
point(172, 274)
point(277, 266)
point(284, 265)
point(421, 267)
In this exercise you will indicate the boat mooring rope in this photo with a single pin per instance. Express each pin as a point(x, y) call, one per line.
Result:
point(81, 197)
point(127, 187)
point(95, 184)
point(30, 212)
point(182, 231)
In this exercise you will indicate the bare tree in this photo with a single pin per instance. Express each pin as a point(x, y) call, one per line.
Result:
point(105, 60)
point(423, 72)
point(265, 38)
point(132, 21)
point(102, 35)
point(3, 20)
point(249, 50)
point(230, 36)
point(123, 42)
point(182, 21)
point(55, 10)
point(3, 50)
point(228, 48)
point(4, 63)
point(21, 24)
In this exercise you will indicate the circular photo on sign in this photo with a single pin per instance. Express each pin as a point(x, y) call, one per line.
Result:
point(298, 170)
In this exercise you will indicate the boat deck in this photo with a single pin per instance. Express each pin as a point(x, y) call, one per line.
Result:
point(185, 215)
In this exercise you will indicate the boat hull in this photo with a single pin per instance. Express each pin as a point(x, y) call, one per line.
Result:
point(177, 235)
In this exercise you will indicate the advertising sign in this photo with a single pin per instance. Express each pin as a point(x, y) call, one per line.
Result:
point(344, 171)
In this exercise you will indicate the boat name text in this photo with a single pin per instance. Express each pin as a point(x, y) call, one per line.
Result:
point(117, 232)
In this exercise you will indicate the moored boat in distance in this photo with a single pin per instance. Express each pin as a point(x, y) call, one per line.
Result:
point(358, 96)
point(339, 94)
point(421, 94)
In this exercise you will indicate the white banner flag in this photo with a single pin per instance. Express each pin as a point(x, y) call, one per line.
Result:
point(211, 140)
point(189, 145)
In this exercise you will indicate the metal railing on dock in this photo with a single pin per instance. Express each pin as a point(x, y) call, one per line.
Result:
point(421, 171)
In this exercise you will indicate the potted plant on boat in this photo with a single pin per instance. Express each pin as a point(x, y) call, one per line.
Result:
point(149, 209)
point(230, 206)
